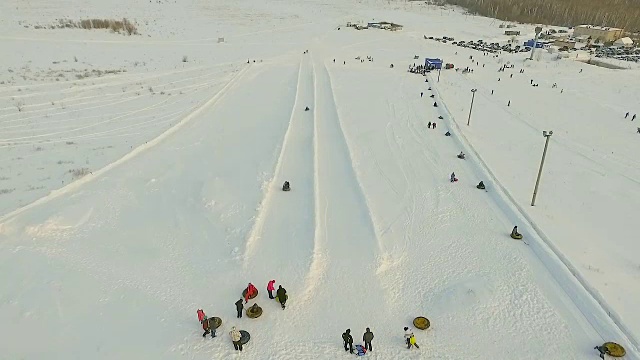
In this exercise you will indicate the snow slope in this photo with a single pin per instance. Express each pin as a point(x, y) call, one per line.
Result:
point(182, 206)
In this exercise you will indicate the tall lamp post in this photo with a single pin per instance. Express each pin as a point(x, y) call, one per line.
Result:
point(535, 41)
point(473, 95)
point(439, 69)
point(544, 154)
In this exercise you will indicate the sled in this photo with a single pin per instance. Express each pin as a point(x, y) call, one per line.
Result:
point(215, 321)
point(612, 349)
point(254, 312)
point(421, 323)
point(244, 337)
point(460, 157)
point(454, 180)
point(516, 236)
point(360, 350)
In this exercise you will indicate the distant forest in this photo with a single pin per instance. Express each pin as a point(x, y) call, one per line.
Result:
point(613, 13)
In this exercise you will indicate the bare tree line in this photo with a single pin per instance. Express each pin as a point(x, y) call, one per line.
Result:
point(614, 13)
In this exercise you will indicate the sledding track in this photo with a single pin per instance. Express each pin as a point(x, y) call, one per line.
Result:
point(592, 306)
point(345, 238)
point(282, 232)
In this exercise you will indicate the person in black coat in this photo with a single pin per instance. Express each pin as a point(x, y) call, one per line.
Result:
point(281, 293)
point(239, 307)
point(348, 340)
point(367, 337)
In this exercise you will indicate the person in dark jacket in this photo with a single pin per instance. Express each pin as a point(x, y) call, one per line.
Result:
point(282, 295)
point(367, 337)
point(239, 307)
point(209, 327)
point(348, 340)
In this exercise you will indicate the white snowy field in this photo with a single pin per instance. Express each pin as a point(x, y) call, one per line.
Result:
point(140, 180)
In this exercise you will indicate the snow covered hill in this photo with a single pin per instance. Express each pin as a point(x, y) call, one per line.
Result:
point(140, 179)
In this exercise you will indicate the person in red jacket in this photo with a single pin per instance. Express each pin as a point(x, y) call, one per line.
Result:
point(250, 291)
point(271, 289)
point(201, 315)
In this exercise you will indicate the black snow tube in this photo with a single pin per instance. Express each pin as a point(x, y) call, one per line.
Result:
point(244, 337)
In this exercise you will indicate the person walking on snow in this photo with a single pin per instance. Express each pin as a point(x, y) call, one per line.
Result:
point(410, 339)
point(429, 125)
point(633, 117)
point(453, 177)
point(626, 115)
point(209, 327)
point(421, 93)
point(270, 288)
point(250, 291)
point(239, 307)
point(235, 338)
point(282, 295)
point(348, 340)
point(367, 337)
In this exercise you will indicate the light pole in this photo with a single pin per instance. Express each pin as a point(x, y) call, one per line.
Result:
point(473, 95)
point(544, 154)
point(439, 69)
point(535, 41)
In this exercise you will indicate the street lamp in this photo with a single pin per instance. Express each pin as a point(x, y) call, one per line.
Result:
point(473, 95)
point(535, 41)
point(544, 154)
point(439, 70)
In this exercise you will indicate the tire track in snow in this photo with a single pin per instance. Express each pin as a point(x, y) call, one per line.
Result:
point(281, 234)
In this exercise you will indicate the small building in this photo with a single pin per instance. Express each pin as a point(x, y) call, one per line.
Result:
point(565, 43)
point(598, 33)
point(623, 42)
point(430, 63)
point(512, 32)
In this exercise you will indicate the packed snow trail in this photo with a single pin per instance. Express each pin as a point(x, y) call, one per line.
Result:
point(147, 242)
point(461, 271)
point(346, 246)
point(280, 243)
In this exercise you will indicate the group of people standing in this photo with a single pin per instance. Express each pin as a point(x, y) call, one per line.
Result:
point(209, 324)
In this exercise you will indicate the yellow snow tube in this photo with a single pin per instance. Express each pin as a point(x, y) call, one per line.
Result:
point(613, 349)
point(516, 236)
point(421, 323)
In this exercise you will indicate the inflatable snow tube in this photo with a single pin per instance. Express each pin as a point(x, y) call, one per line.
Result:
point(244, 337)
point(215, 321)
point(254, 313)
point(421, 323)
point(481, 187)
point(516, 236)
point(244, 293)
point(613, 349)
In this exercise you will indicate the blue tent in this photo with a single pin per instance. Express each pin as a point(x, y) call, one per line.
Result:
point(433, 63)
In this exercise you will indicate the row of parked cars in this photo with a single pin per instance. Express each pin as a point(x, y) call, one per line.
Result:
point(481, 45)
point(627, 54)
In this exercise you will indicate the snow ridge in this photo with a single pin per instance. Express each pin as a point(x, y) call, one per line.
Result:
point(138, 150)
